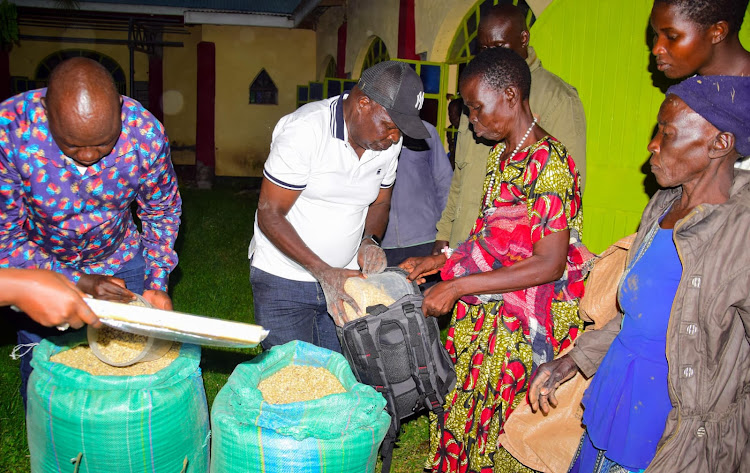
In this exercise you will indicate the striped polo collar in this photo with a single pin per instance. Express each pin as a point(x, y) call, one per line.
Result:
point(337, 118)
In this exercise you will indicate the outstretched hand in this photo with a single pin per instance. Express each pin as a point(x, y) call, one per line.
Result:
point(332, 282)
point(549, 376)
point(440, 299)
point(420, 266)
point(438, 246)
point(47, 297)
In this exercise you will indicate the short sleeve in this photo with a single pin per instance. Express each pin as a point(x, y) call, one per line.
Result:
point(552, 200)
point(390, 175)
point(294, 144)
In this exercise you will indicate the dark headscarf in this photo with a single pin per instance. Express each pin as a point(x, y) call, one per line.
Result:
point(724, 101)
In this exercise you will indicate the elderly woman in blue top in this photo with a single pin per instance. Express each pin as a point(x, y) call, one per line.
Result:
point(672, 385)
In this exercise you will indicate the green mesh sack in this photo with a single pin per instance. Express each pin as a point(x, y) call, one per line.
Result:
point(338, 433)
point(78, 422)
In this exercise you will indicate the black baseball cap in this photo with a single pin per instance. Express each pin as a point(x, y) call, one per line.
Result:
point(396, 87)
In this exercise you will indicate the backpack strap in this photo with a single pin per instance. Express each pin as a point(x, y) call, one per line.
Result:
point(373, 367)
point(428, 390)
point(418, 338)
point(386, 451)
point(370, 355)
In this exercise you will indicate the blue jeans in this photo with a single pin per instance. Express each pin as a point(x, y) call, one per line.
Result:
point(292, 310)
point(133, 273)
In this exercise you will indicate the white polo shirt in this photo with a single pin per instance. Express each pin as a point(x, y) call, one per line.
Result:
point(310, 152)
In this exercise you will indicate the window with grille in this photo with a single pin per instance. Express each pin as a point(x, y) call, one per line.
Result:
point(263, 91)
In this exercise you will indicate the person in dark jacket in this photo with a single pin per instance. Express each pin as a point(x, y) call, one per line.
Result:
point(671, 376)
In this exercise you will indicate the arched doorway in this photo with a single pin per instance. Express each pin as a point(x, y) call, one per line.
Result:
point(329, 67)
point(377, 52)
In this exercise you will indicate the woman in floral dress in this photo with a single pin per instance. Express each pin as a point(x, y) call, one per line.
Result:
point(514, 284)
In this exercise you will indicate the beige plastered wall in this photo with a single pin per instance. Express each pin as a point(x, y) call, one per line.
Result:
point(179, 73)
point(179, 94)
point(26, 56)
point(327, 37)
point(243, 131)
point(366, 20)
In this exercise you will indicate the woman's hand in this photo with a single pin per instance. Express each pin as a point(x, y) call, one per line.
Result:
point(158, 299)
point(105, 287)
point(421, 266)
point(440, 299)
point(548, 378)
point(438, 246)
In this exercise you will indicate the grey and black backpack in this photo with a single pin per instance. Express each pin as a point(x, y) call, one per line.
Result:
point(397, 350)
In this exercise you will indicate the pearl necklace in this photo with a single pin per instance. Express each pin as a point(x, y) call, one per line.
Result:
point(495, 165)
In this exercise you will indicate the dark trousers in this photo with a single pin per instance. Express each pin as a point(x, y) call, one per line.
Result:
point(398, 255)
point(133, 273)
point(292, 310)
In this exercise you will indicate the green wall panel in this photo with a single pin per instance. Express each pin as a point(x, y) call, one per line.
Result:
point(745, 31)
point(602, 47)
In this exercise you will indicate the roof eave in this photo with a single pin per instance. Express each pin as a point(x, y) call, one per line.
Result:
point(206, 17)
point(193, 16)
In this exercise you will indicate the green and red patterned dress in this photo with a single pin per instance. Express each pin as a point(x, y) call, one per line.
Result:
point(492, 351)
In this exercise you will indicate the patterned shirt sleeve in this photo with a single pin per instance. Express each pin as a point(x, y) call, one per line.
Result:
point(552, 199)
point(16, 249)
point(159, 208)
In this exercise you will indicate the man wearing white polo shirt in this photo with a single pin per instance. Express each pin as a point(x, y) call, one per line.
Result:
point(324, 202)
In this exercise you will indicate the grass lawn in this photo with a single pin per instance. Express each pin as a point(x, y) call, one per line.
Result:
point(211, 279)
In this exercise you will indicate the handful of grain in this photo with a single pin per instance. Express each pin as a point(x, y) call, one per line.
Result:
point(81, 357)
point(365, 294)
point(299, 383)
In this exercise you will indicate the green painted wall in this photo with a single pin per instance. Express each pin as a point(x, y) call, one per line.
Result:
point(602, 48)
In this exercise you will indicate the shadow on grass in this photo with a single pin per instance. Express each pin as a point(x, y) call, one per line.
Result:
point(223, 361)
point(10, 326)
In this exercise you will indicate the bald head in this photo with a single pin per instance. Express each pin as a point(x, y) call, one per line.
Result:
point(504, 26)
point(83, 108)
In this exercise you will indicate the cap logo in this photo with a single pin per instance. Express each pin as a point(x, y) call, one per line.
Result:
point(420, 101)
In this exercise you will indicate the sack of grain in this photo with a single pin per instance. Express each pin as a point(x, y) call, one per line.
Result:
point(338, 433)
point(115, 421)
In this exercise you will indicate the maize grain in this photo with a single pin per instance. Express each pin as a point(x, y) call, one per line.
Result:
point(365, 295)
point(299, 383)
point(81, 357)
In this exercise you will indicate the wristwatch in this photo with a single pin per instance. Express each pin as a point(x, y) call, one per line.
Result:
point(372, 237)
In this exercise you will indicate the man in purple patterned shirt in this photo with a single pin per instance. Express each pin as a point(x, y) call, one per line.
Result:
point(73, 158)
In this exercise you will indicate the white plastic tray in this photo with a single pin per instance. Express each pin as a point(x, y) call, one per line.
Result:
point(177, 326)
